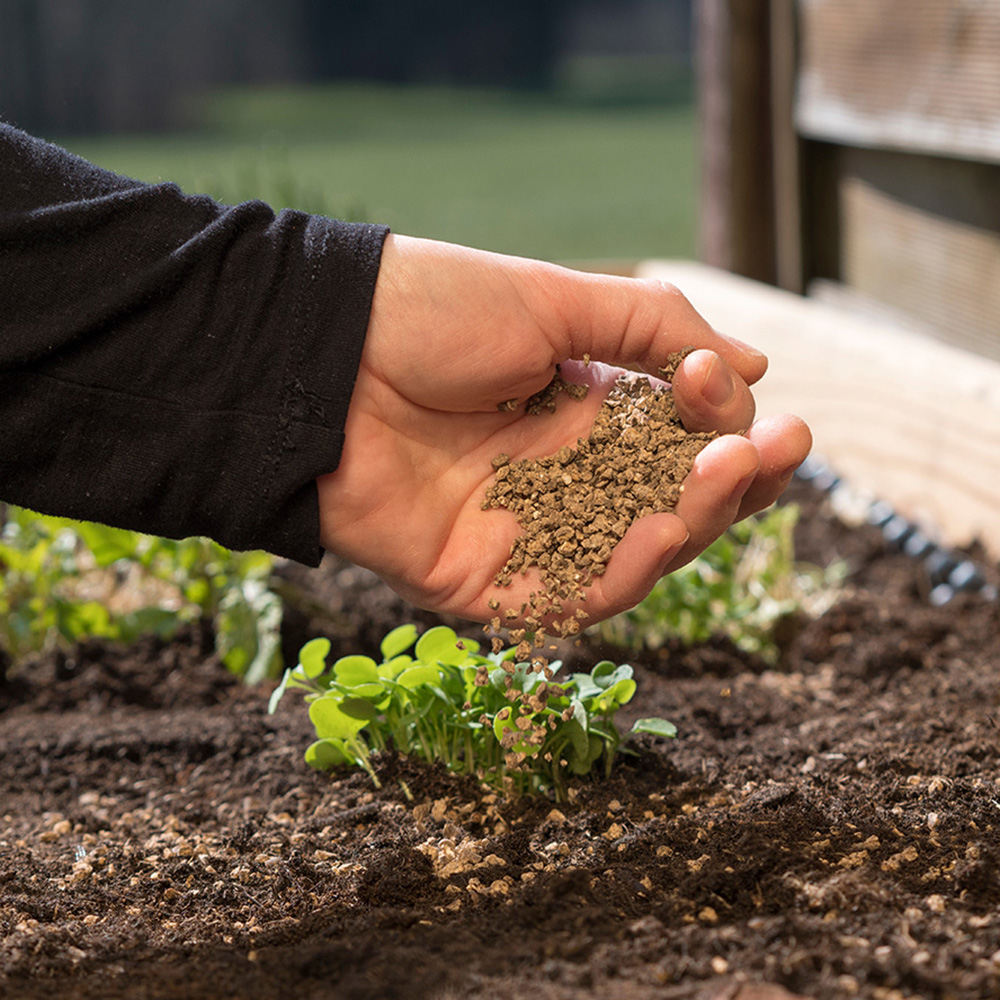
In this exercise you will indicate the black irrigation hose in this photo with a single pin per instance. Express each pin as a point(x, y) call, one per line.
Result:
point(950, 572)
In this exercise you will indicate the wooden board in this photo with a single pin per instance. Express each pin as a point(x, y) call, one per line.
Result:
point(908, 419)
point(919, 75)
point(940, 267)
point(734, 96)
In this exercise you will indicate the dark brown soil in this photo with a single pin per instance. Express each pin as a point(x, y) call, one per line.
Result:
point(828, 828)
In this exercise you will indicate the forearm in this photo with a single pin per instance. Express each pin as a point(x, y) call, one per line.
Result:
point(170, 364)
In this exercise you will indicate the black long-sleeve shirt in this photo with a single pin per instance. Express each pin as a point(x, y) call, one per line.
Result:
point(169, 364)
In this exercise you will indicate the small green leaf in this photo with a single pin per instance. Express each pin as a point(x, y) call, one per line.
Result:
point(439, 643)
point(358, 708)
point(331, 721)
point(501, 722)
point(603, 669)
point(619, 694)
point(323, 755)
point(398, 640)
point(497, 675)
point(354, 670)
point(656, 727)
point(608, 678)
point(576, 729)
point(394, 667)
point(532, 678)
point(504, 721)
point(278, 693)
point(373, 691)
point(422, 673)
point(585, 686)
point(312, 657)
point(584, 764)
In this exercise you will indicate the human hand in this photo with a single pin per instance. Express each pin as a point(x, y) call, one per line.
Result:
point(453, 334)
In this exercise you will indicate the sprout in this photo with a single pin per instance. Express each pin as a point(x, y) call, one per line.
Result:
point(506, 720)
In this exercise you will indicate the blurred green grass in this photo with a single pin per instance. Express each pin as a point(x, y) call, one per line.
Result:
point(561, 177)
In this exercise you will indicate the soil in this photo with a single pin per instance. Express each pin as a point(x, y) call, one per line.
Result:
point(826, 828)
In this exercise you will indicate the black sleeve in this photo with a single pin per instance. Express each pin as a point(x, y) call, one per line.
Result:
point(169, 364)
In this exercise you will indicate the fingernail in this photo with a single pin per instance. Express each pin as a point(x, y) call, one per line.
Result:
point(718, 387)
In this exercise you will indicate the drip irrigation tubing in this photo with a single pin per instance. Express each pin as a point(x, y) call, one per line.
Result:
point(950, 571)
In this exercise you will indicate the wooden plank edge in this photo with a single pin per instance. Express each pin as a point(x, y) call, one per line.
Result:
point(911, 420)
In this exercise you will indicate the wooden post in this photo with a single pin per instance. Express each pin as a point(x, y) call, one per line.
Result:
point(714, 89)
point(787, 148)
point(737, 199)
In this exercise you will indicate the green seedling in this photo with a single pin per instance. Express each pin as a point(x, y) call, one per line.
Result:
point(437, 698)
point(743, 587)
point(50, 564)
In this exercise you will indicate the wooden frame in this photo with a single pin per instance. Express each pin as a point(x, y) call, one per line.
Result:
point(856, 143)
point(908, 419)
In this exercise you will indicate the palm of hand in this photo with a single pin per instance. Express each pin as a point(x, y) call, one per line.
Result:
point(436, 545)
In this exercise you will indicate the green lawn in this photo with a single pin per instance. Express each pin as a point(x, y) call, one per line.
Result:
point(541, 176)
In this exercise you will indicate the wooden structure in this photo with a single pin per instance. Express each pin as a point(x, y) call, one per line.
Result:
point(853, 146)
point(903, 418)
point(851, 151)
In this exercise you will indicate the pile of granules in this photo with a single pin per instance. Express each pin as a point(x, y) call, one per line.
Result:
point(575, 506)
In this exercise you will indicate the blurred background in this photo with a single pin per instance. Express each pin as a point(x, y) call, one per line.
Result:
point(846, 149)
point(553, 128)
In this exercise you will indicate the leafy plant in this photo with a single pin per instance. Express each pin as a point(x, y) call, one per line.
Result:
point(511, 722)
point(742, 586)
point(64, 580)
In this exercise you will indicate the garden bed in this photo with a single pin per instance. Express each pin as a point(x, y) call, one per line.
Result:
point(827, 827)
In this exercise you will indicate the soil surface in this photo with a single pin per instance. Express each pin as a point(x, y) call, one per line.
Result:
point(827, 828)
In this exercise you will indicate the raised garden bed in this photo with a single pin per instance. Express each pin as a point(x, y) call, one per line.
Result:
point(827, 827)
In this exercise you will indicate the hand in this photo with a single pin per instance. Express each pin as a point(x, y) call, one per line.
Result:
point(454, 333)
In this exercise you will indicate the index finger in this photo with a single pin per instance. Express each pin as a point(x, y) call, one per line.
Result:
point(639, 323)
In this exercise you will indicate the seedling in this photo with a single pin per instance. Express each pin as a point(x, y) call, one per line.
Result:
point(50, 566)
point(742, 587)
point(438, 698)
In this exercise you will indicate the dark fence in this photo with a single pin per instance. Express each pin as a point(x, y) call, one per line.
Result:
point(76, 66)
